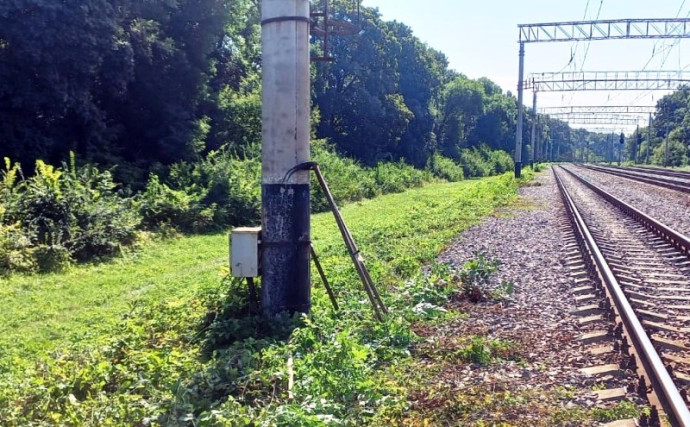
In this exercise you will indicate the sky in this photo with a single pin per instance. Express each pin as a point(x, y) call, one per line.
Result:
point(479, 39)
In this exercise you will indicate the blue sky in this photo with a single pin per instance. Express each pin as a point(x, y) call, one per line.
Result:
point(480, 39)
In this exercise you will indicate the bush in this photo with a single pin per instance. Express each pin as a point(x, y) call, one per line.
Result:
point(445, 168)
point(347, 180)
point(162, 207)
point(473, 164)
point(677, 153)
point(61, 215)
point(500, 161)
point(482, 161)
point(398, 177)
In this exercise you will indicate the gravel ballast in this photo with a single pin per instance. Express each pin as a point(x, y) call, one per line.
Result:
point(530, 240)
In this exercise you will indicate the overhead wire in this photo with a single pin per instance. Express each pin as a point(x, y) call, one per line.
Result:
point(666, 51)
point(573, 57)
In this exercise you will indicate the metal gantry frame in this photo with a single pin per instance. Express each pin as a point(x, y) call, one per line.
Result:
point(606, 80)
point(602, 120)
point(594, 109)
point(612, 29)
point(677, 28)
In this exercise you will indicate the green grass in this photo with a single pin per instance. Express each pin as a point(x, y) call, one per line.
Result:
point(127, 339)
point(41, 311)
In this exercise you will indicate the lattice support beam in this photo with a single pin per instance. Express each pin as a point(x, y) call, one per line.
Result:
point(606, 80)
point(606, 109)
point(605, 30)
point(595, 120)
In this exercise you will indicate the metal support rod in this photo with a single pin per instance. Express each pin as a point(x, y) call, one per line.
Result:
point(533, 141)
point(317, 263)
point(353, 250)
point(649, 138)
point(518, 131)
point(285, 210)
point(356, 256)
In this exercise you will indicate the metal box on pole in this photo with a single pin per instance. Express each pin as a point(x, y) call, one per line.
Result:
point(244, 252)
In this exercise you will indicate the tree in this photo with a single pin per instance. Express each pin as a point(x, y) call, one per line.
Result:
point(362, 110)
point(461, 105)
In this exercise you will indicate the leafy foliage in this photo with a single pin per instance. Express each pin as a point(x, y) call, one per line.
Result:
point(205, 358)
point(60, 215)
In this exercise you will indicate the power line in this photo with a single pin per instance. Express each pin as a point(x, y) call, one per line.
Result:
point(601, 3)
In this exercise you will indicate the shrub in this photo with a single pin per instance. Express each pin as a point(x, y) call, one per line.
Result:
point(482, 161)
point(500, 160)
point(61, 214)
point(215, 192)
point(15, 249)
point(473, 164)
point(347, 180)
point(161, 207)
point(445, 168)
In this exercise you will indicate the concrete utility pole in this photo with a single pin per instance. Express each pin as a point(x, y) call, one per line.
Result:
point(518, 131)
point(666, 153)
point(534, 129)
point(285, 143)
point(649, 138)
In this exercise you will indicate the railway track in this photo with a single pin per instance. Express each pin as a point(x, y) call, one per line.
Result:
point(641, 272)
point(674, 180)
point(660, 171)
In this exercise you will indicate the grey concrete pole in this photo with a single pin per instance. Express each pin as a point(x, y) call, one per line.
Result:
point(635, 147)
point(558, 152)
point(534, 128)
point(649, 138)
point(666, 153)
point(285, 143)
point(518, 131)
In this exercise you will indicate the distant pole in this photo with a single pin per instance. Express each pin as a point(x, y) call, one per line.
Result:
point(635, 147)
point(582, 149)
point(534, 127)
point(666, 150)
point(649, 138)
point(285, 143)
point(558, 151)
point(518, 131)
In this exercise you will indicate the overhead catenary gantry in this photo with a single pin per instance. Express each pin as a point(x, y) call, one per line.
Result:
point(594, 109)
point(677, 28)
point(606, 80)
point(611, 29)
point(566, 117)
point(603, 120)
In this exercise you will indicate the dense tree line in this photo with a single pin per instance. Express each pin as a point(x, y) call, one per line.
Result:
point(671, 122)
point(144, 84)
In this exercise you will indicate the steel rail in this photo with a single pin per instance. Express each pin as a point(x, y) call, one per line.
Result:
point(676, 238)
point(669, 396)
point(658, 181)
point(660, 171)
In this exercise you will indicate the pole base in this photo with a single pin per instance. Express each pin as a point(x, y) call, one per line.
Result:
point(285, 249)
point(518, 169)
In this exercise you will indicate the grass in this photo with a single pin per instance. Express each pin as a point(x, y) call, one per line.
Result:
point(40, 312)
point(160, 336)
